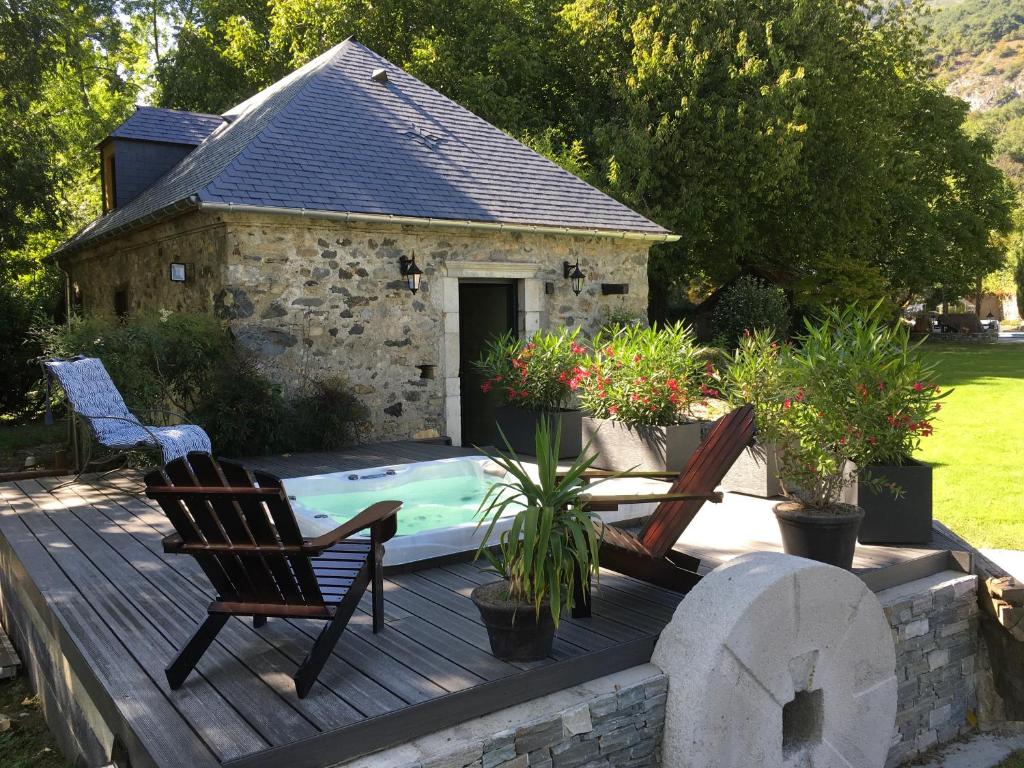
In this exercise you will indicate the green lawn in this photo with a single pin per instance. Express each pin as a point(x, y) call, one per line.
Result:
point(978, 445)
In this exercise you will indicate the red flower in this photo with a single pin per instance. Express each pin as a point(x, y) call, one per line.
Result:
point(787, 403)
point(485, 387)
point(800, 395)
point(672, 384)
point(706, 390)
point(709, 369)
point(577, 349)
point(609, 351)
point(918, 386)
point(613, 409)
point(637, 358)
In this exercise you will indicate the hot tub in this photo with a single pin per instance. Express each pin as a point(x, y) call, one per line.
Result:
point(439, 499)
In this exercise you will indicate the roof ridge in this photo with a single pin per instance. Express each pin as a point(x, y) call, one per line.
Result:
point(179, 111)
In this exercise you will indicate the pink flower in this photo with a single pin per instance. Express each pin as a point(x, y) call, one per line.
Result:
point(485, 387)
point(613, 409)
point(787, 403)
point(918, 386)
point(577, 349)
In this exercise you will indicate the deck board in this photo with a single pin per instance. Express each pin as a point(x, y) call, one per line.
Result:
point(89, 557)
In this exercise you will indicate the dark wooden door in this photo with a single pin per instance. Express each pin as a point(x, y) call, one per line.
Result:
point(486, 311)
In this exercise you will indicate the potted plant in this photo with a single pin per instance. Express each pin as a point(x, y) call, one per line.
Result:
point(640, 387)
point(534, 378)
point(755, 375)
point(830, 427)
point(895, 489)
point(544, 557)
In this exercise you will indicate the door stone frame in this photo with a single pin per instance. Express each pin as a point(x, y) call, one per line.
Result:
point(530, 303)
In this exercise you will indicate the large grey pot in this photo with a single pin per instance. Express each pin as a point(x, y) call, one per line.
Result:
point(903, 520)
point(755, 473)
point(645, 448)
point(520, 425)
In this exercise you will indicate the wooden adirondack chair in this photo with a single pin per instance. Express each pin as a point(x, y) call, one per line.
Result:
point(649, 555)
point(243, 533)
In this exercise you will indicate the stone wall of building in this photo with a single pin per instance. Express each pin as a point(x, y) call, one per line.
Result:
point(935, 628)
point(139, 263)
point(320, 298)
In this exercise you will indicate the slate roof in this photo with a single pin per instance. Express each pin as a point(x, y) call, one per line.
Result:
point(171, 126)
point(328, 138)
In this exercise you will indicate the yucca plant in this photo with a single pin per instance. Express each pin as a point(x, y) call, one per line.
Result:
point(552, 545)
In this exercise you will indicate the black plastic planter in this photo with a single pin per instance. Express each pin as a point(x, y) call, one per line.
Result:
point(520, 425)
point(828, 537)
point(514, 629)
point(903, 520)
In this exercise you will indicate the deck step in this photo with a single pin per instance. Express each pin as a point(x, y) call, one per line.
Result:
point(10, 664)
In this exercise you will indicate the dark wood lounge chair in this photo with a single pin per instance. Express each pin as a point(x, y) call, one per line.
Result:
point(243, 533)
point(649, 555)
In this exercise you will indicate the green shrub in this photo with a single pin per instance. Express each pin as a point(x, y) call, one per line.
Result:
point(750, 304)
point(327, 416)
point(191, 365)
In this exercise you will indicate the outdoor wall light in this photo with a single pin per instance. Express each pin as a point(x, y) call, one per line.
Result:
point(572, 273)
point(410, 272)
point(179, 272)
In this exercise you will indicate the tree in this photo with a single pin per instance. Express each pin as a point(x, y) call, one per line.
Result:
point(68, 74)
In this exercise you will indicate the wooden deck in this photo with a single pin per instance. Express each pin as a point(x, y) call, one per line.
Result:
point(86, 589)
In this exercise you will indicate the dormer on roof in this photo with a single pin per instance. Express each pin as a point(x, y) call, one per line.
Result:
point(147, 145)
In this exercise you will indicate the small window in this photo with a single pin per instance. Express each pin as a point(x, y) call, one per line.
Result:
point(121, 302)
point(109, 174)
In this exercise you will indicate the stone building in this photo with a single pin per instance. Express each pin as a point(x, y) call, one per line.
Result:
point(295, 215)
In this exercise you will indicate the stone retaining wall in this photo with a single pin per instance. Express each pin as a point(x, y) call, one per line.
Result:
point(935, 628)
point(620, 727)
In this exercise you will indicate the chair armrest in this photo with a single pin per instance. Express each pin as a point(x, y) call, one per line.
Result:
point(611, 503)
point(371, 516)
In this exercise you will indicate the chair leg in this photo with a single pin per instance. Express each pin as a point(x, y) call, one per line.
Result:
point(581, 599)
point(259, 621)
point(325, 642)
point(194, 649)
point(377, 596)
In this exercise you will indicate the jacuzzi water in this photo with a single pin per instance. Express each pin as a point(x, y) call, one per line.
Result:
point(439, 499)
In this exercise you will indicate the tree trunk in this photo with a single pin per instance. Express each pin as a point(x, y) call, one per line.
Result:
point(977, 298)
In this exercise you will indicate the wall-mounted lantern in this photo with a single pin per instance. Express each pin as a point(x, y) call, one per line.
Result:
point(410, 272)
point(179, 272)
point(574, 275)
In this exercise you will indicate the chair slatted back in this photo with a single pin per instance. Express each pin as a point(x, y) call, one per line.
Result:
point(260, 571)
point(704, 471)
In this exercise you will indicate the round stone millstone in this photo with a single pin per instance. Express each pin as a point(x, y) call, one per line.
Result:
point(778, 662)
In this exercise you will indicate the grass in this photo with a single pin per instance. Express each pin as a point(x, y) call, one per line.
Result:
point(1016, 760)
point(28, 743)
point(978, 445)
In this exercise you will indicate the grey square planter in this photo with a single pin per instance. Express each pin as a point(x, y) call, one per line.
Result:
point(520, 426)
point(755, 473)
point(903, 520)
point(645, 448)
